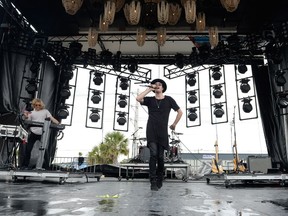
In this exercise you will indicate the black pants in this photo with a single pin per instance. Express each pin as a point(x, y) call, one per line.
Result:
point(156, 162)
point(30, 144)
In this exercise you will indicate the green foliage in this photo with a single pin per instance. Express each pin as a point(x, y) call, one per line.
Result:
point(107, 152)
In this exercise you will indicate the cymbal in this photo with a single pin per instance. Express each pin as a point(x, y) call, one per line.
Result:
point(175, 141)
point(178, 133)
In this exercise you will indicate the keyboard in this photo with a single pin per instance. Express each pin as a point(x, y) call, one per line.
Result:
point(13, 131)
point(30, 123)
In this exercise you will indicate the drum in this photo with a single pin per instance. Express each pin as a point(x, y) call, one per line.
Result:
point(144, 154)
point(174, 151)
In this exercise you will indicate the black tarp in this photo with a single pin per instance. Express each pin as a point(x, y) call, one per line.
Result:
point(14, 67)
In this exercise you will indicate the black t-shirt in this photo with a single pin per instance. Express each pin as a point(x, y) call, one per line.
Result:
point(157, 124)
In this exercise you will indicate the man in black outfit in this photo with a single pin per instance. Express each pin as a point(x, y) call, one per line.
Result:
point(159, 107)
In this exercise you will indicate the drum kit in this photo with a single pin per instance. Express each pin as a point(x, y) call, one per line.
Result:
point(173, 155)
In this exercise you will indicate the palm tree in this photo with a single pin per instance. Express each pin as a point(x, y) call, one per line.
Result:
point(108, 151)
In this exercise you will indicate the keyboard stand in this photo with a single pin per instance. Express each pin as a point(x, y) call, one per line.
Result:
point(44, 141)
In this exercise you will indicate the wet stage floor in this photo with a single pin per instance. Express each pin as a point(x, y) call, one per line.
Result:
point(134, 197)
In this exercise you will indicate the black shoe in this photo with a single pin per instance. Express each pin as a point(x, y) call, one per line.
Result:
point(154, 186)
point(159, 184)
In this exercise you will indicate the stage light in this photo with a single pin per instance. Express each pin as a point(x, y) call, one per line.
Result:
point(179, 60)
point(192, 115)
point(90, 57)
point(31, 87)
point(35, 66)
point(191, 79)
point(204, 52)
point(122, 102)
point(216, 74)
point(98, 80)
point(245, 87)
point(282, 100)
point(280, 78)
point(67, 72)
point(63, 112)
point(247, 107)
point(65, 92)
point(193, 58)
point(124, 83)
point(273, 53)
point(94, 116)
point(242, 68)
point(218, 111)
point(217, 92)
point(23, 40)
point(234, 42)
point(96, 97)
point(117, 61)
point(192, 98)
point(106, 57)
point(28, 106)
point(75, 49)
point(121, 118)
point(132, 65)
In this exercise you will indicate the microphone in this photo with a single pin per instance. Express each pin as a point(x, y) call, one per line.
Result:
point(147, 86)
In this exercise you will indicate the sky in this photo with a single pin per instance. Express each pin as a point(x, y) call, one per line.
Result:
point(199, 139)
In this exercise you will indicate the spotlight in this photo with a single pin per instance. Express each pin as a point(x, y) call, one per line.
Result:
point(96, 97)
point(245, 87)
point(124, 83)
point(28, 106)
point(98, 80)
point(218, 111)
point(133, 65)
point(179, 60)
point(122, 101)
point(192, 98)
point(65, 92)
point(234, 42)
point(192, 115)
point(217, 92)
point(282, 100)
point(191, 79)
point(94, 116)
point(23, 40)
point(247, 107)
point(121, 118)
point(67, 72)
point(193, 58)
point(117, 61)
point(63, 112)
point(280, 78)
point(273, 53)
point(35, 66)
point(31, 87)
point(204, 52)
point(242, 68)
point(216, 74)
point(91, 56)
point(106, 57)
point(75, 49)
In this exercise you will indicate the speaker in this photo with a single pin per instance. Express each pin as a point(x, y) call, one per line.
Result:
point(260, 164)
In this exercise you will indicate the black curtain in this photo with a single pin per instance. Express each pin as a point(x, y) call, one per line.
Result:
point(271, 119)
point(14, 66)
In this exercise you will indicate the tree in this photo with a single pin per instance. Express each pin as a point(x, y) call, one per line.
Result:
point(107, 152)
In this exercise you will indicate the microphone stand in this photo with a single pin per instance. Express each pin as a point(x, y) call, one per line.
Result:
point(134, 149)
